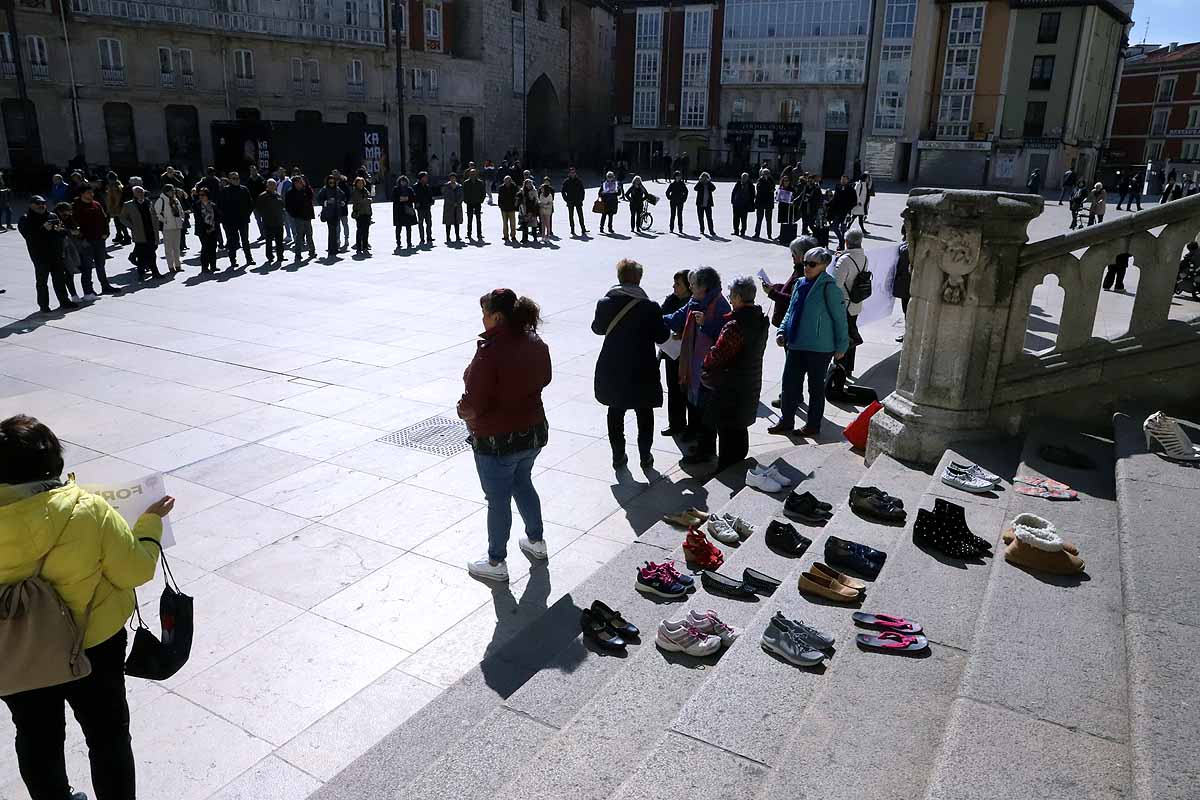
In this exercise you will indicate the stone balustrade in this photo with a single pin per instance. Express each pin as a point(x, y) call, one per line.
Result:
point(964, 372)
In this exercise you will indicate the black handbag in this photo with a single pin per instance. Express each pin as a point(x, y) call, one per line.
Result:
point(154, 658)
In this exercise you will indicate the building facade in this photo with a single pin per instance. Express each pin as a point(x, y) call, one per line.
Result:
point(1156, 127)
point(126, 83)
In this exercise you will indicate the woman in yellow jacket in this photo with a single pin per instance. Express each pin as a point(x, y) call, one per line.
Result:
point(89, 555)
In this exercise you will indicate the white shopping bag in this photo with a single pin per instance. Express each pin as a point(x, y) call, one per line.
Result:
point(132, 498)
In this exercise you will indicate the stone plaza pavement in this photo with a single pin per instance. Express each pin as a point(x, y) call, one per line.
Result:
point(328, 567)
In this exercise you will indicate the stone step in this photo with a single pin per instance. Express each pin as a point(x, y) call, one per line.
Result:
point(434, 739)
point(628, 715)
point(1045, 669)
point(1160, 551)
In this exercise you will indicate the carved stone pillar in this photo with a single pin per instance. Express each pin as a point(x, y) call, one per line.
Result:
point(963, 247)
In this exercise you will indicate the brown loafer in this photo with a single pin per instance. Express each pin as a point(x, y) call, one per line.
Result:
point(825, 587)
point(1008, 536)
point(829, 572)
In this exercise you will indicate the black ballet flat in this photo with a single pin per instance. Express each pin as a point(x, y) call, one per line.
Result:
point(614, 620)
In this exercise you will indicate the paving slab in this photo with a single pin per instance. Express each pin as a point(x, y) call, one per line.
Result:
point(992, 753)
point(720, 773)
point(1159, 549)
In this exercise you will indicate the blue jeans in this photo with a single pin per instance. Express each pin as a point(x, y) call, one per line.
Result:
point(801, 364)
point(504, 479)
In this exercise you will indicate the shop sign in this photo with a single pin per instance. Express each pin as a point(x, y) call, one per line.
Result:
point(780, 127)
point(372, 155)
point(1186, 132)
point(938, 144)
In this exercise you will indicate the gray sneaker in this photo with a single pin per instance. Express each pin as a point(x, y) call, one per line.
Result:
point(790, 648)
point(806, 632)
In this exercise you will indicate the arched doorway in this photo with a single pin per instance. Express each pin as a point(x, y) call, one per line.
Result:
point(466, 139)
point(545, 139)
point(122, 140)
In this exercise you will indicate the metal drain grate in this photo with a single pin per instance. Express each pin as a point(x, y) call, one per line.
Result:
point(441, 436)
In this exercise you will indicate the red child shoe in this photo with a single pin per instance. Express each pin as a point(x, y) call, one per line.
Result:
point(701, 552)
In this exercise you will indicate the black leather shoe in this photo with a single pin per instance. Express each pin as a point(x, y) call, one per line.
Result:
point(786, 540)
point(717, 583)
point(854, 557)
point(614, 620)
point(877, 505)
point(807, 508)
point(596, 629)
point(760, 581)
point(866, 491)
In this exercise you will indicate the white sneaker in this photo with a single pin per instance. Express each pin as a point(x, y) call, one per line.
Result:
point(961, 480)
point(709, 623)
point(683, 637)
point(534, 549)
point(774, 474)
point(483, 568)
point(722, 531)
point(744, 529)
point(761, 482)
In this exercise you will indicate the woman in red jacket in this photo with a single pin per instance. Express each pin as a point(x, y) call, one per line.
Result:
point(502, 406)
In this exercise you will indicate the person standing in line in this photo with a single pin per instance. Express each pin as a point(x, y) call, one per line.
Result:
point(474, 192)
point(677, 193)
point(1079, 198)
point(1097, 201)
point(58, 190)
point(333, 202)
point(452, 210)
point(840, 209)
point(636, 195)
point(502, 408)
point(44, 236)
point(208, 223)
point(404, 212)
point(847, 267)
point(283, 185)
point(780, 294)
point(169, 213)
point(114, 193)
point(529, 210)
point(627, 367)
point(862, 196)
point(72, 242)
point(809, 198)
point(299, 204)
point(361, 199)
point(343, 242)
point(741, 197)
point(610, 195)
point(138, 217)
point(573, 194)
point(1068, 186)
point(704, 203)
point(870, 184)
point(270, 210)
point(489, 180)
point(1034, 184)
point(764, 202)
point(93, 227)
point(732, 372)
point(813, 333)
point(256, 185)
point(785, 197)
point(92, 561)
point(546, 211)
point(677, 416)
point(698, 323)
point(423, 194)
point(507, 198)
point(235, 204)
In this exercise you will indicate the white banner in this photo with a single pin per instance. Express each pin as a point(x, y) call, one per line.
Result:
point(132, 498)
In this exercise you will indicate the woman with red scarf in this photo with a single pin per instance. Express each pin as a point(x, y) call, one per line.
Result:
point(700, 322)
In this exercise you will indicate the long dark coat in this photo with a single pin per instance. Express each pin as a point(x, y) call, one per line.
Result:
point(627, 368)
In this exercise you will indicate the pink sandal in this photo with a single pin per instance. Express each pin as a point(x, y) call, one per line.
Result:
point(893, 642)
point(886, 622)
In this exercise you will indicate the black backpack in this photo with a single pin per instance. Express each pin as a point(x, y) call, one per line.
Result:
point(860, 289)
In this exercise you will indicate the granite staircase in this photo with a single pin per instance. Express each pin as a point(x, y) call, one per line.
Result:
point(1032, 686)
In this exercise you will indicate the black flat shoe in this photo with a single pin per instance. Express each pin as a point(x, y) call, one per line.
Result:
point(760, 581)
point(806, 508)
point(615, 621)
point(784, 539)
point(854, 557)
point(717, 583)
point(597, 630)
point(881, 507)
point(808, 497)
point(867, 491)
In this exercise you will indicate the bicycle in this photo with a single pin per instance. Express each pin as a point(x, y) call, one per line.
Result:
point(646, 220)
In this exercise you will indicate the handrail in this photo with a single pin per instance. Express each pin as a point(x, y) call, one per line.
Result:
point(1138, 222)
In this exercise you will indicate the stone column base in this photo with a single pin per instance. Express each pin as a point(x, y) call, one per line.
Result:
point(918, 434)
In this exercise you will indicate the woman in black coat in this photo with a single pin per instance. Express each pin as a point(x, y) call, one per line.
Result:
point(741, 197)
point(627, 367)
point(704, 202)
point(404, 209)
point(764, 202)
point(677, 416)
point(636, 195)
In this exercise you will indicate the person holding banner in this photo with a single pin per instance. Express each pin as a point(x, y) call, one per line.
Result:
point(55, 534)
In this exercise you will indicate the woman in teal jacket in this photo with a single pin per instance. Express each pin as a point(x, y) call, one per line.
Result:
point(814, 332)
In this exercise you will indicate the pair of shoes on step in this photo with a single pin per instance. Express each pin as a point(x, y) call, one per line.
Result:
point(1035, 544)
point(663, 580)
point(497, 571)
point(945, 529)
point(767, 479)
point(822, 580)
point(729, 529)
point(698, 634)
point(752, 583)
point(854, 557)
point(897, 634)
point(700, 552)
point(691, 518)
point(969, 477)
point(607, 628)
point(807, 508)
point(876, 504)
point(795, 641)
point(783, 538)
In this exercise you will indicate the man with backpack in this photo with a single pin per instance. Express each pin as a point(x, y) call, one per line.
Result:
point(850, 272)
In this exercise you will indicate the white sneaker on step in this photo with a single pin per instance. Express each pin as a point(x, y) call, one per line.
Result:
point(484, 568)
point(761, 482)
point(774, 474)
